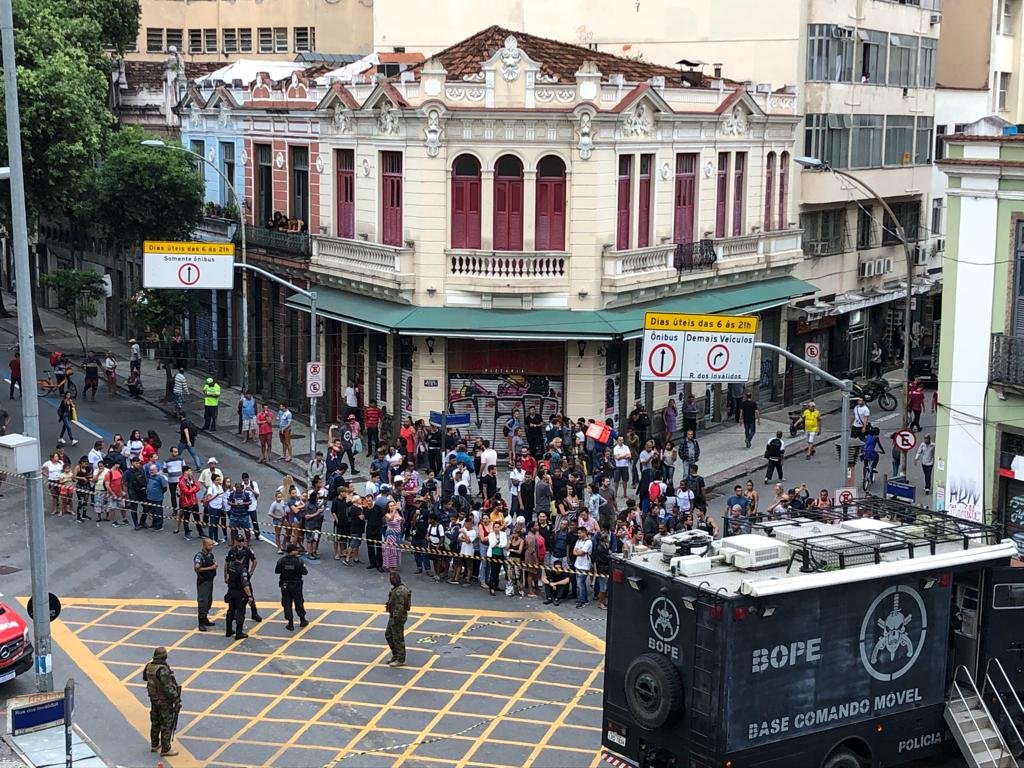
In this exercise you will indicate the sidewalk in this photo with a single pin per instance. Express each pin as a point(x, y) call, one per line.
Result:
point(723, 455)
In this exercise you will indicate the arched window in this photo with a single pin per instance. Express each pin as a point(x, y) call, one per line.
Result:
point(465, 202)
point(550, 221)
point(769, 191)
point(783, 188)
point(508, 204)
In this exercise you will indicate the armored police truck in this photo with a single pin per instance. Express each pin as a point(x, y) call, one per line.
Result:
point(843, 639)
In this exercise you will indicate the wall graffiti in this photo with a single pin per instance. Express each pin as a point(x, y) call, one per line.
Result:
point(489, 400)
point(963, 499)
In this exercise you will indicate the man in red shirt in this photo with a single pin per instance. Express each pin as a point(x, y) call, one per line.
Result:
point(15, 368)
point(915, 397)
point(371, 420)
point(265, 430)
point(113, 484)
point(529, 464)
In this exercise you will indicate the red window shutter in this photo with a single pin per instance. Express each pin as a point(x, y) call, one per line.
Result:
point(769, 191)
point(346, 197)
point(783, 188)
point(473, 213)
point(459, 213)
point(643, 230)
point(542, 227)
point(557, 228)
point(685, 195)
point(501, 215)
point(622, 207)
point(721, 200)
point(739, 193)
point(508, 214)
point(391, 197)
point(515, 215)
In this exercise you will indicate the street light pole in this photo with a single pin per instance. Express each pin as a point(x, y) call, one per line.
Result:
point(26, 339)
point(240, 202)
point(813, 163)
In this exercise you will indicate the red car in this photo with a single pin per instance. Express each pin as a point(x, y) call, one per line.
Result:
point(15, 646)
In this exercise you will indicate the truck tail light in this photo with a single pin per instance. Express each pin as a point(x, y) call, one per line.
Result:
point(739, 613)
point(618, 575)
point(945, 580)
point(716, 612)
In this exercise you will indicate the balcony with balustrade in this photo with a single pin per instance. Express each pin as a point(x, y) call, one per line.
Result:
point(373, 268)
point(1006, 366)
point(507, 271)
point(638, 268)
point(758, 250)
point(295, 245)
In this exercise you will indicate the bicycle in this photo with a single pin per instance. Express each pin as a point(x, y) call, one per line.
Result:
point(870, 470)
point(49, 386)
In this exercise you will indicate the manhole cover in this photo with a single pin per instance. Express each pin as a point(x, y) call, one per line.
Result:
point(8, 569)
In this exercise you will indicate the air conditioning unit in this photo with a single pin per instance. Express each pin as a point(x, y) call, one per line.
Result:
point(838, 31)
point(935, 18)
point(818, 248)
point(940, 245)
point(867, 269)
point(752, 550)
point(919, 255)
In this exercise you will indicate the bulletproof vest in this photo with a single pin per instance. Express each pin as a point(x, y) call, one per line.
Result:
point(152, 684)
point(236, 569)
point(291, 569)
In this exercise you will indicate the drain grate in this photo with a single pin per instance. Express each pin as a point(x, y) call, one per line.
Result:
point(8, 569)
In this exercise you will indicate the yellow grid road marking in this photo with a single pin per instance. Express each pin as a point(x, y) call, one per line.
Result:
point(560, 720)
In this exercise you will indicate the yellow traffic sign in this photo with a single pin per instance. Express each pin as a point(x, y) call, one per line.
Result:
point(674, 321)
point(188, 248)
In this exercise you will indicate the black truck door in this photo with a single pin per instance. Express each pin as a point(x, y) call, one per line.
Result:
point(1002, 623)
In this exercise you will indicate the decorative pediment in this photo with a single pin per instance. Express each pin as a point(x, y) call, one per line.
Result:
point(192, 98)
point(510, 61)
point(737, 112)
point(339, 103)
point(261, 86)
point(387, 103)
point(222, 98)
point(639, 110)
point(297, 87)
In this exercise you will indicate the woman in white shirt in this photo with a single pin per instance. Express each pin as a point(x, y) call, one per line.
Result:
point(214, 500)
point(497, 546)
point(53, 469)
point(463, 570)
point(133, 448)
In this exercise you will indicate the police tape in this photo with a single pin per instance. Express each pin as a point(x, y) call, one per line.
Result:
point(431, 639)
point(422, 742)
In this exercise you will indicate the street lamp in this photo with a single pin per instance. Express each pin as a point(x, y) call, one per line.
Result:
point(160, 144)
point(814, 164)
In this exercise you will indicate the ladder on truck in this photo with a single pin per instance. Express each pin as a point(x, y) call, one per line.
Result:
point(987, 724)
point(705, 698)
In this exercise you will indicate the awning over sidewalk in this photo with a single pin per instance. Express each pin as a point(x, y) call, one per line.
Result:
point(544, 324)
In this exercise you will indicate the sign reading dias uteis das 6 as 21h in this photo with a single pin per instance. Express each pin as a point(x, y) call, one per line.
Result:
point(711, 348)
point(194, 265)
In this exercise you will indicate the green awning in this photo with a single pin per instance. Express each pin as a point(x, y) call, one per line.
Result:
point(553, 324)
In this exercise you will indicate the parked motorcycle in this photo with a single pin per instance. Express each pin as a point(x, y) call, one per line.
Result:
point(876, 389)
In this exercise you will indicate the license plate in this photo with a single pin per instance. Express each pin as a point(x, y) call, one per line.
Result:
point(616, 738)
point(5, 676)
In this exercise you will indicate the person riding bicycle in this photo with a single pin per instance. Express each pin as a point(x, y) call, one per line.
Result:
point(870, 454)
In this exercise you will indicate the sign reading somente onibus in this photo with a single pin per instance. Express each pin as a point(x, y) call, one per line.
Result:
point(190, 265)
point(710, 348)
point(830, 661)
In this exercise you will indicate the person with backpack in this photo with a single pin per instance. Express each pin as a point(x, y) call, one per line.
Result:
point(775, 453)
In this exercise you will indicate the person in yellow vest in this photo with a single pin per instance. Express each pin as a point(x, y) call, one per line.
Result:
point(211, 402)
point(812, 426)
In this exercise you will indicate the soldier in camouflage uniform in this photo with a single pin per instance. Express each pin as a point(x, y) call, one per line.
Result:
point(398, 605)
point(165, 701)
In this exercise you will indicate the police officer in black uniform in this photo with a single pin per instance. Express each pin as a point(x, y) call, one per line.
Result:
point(240, 550)
point(205, 566)
point(238, 596)
point(291, 569)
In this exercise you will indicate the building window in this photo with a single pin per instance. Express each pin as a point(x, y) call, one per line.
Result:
point(940, 143)
point(466, 202)
point(550, 215)
point(899, 139)
point(685, 198)
point(871, 56)
point(266, 36)
point(345, 164)
point(927, 64)
point(280, 39)
point(1005, 21)
point(300, 185)
point(824, 232)
point(643, 229)
point(739, 194)
point(783, 189)
point(210, 39)
point(829, 53)
point(508, 204)
point(195, 41)
point(827, 137)
point(866, 141)
point(938, 205)
point(305, 38)
point(264, 183)
point(230, 40)
point(227, 167)
point(391, 198)
point(909, 216)
point(865, 227)
point(198, 147)
point(245, 40)
point(1003, 90)
point(923, 145)
point(722, 194)
point(175, 39)
point(903, 60)
point(1018, 293)
point(154, 40)
point(622, 207)
point(769, 191)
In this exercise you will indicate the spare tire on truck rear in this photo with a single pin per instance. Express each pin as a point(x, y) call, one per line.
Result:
point(654, 690)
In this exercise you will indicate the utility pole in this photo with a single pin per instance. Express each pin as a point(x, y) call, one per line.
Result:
point(26, 339)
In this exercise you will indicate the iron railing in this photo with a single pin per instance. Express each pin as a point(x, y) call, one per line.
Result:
point(1006, 366)
point(688, 257)
point(294, 244)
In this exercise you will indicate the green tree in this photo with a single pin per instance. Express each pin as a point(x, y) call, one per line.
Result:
point(78, 295)
point(145, 193)
point(163, 311)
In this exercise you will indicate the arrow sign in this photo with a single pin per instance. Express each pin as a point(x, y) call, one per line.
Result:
point(188, 273)
point(662, 360)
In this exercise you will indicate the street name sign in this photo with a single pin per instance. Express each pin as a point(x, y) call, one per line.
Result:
point(193, 265)
point(709, 348)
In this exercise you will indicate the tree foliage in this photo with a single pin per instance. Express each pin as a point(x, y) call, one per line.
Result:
point(78, 295)
point(158, 309)
point(144, 193)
